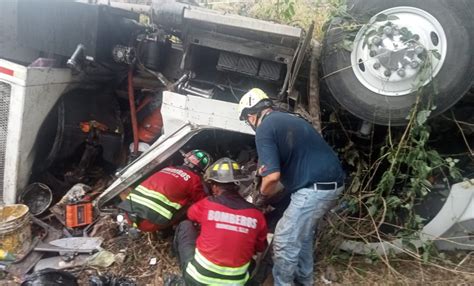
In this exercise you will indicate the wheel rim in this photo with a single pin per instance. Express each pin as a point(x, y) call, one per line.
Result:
point(401, 48)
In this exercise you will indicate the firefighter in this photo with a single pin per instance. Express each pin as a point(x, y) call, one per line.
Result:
point(290, 150)
point(231, 231)
point(162, 199)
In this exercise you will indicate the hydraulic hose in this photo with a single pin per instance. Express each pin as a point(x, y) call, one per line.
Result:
point(133, 111)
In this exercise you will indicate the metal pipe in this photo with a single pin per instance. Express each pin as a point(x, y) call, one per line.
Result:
point(74, 61)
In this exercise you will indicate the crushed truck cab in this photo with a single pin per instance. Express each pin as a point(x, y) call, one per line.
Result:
point(186, 119)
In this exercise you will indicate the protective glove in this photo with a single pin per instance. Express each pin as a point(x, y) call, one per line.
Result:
point(259, 200)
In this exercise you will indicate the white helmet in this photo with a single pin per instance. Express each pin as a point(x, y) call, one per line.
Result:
point(253, 99)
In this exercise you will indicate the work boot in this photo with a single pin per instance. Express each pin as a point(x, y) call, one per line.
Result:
point(171, 279)
point(165, 233)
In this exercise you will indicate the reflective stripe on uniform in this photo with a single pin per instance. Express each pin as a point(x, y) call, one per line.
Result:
point(134, 198)
point(225, 167)
point(219, 269)
point(194, 273)
point(156, 195)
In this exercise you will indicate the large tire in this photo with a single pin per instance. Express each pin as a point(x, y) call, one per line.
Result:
point(452, 79)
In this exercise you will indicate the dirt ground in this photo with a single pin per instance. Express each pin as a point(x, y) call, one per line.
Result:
point(456, 269)
point(337, 268)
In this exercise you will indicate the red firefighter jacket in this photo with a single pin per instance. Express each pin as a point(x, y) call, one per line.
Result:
point(232, 230)
point(157, 199)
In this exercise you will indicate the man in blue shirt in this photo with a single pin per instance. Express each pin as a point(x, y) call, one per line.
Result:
point(290, 150)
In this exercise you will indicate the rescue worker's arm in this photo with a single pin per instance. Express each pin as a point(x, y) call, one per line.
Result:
point(269, 160)
point(269, 184)
point(195, 211)
point(197, 192)
point(123, 195)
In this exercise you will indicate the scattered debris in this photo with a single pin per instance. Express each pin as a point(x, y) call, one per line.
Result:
point(330, 274)
point(110, 280)
point(75, 207)
point(42, 232)
point(120, 258)
point(102, 258)
point(6, 255)
point(62, 262)
point(37, 197)
point(15, 230)
point(71, 244)
point(106, 228)
point(325, 281)
point(171, 279)
point(50, 277)
point(153, 261)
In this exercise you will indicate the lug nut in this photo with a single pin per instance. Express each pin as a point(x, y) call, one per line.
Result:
point(414, 64)
point(419, 50)
point(401, 73)
point(376, 40)
point(387, 30)
point(377, 66)
point(404, 30)
point(387, 73)
point(372, 54)
point(416, 37)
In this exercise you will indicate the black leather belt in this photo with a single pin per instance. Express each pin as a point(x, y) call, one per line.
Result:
point(328, 186)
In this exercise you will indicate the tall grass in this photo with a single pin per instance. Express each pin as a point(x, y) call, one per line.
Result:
point(305, 11)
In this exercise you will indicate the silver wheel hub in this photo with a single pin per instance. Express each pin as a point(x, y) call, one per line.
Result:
point(393, 54)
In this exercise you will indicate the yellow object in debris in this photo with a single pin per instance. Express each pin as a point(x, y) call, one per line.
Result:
point(15, 229)
point(144, 19)
point(6, 256)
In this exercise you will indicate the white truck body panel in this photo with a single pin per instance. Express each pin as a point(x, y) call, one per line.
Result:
point(178, 109)
point(32, 94)
point(450, 229)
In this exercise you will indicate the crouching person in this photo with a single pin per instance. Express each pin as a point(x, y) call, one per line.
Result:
point(162, 199)
point(231, 231)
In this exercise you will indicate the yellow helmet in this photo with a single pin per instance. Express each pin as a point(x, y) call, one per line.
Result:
point(253, 100)
point(226, 170)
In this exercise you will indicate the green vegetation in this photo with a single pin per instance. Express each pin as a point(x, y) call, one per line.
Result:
point(293, 12)
point(388, 180)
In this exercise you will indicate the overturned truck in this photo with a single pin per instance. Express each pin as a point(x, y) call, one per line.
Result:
point(103, 95)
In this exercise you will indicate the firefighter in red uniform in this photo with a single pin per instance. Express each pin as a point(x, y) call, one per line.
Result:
point(162, 199)
point(231, 231)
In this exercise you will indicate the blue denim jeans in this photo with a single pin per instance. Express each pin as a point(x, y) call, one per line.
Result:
point(294, 235)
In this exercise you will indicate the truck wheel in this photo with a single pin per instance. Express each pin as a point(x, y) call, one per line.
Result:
point(376, 76)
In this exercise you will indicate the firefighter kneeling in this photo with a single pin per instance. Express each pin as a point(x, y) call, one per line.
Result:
point(162, 199)
point(231, 231)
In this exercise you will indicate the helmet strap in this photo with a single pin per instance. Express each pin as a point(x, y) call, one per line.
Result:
point(260, 117)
